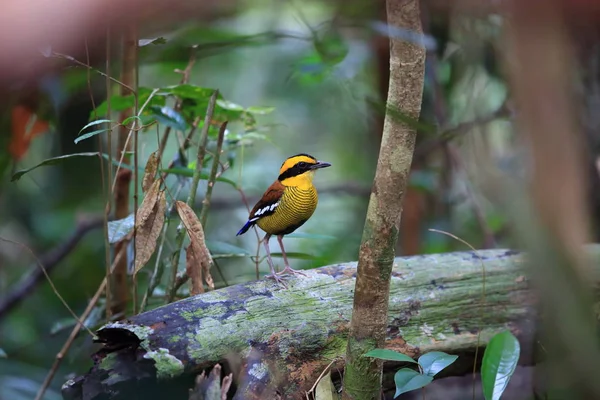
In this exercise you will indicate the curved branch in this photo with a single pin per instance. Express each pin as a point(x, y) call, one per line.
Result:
point(49, 260)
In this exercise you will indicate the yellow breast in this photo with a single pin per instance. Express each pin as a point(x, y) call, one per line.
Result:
point(295, 207)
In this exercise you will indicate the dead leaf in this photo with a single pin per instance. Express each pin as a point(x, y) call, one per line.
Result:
point(325, 389)
point(147, 232)
point(193, 268)
point(197, 244)
point(147, 207)
point(25, 126)
point(150, 171)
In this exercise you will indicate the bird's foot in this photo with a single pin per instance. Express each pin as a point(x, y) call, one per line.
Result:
point(288, 270)
point(277, 279)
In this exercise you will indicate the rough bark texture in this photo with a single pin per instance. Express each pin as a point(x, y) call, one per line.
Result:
point(362, 377)
point(283, 339)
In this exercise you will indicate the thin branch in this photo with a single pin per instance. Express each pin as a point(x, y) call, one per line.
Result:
point(48, 261)
point(206, 202)
point(106, 185)
point(61, 354)
point(106, 75)
point(178, 103)
point(425, 148)
point(213, 175)
point(45, 273)
point(172, 290)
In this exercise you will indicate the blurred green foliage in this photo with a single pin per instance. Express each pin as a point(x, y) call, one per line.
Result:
point(291, 80)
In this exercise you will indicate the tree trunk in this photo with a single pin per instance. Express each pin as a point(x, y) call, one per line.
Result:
point(282, 339)
point(362, 377)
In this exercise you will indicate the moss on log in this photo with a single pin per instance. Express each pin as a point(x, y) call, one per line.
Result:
point(284, 339)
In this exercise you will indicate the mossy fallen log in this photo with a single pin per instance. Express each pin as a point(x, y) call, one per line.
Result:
point(282, 339)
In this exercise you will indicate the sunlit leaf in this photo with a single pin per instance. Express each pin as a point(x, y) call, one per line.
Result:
point(169, 117)
point(155, 41)
point(228, 105)
point(94, 123)
point(386, 354)
point(499, 363)
point(117, 230)
point(90, 134)
point(407, 380)
point(260, 110)
point(435, 361)
point(223, 250)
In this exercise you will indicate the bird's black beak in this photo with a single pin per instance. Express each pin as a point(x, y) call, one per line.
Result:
point(320, 164)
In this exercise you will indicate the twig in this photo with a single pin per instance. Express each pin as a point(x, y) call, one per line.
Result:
point(172, 290)
point(314, 386)
point(60, 355)
point(106, 75)
point(206, 202)
point(56, 292)
point(213, 175)
point(48, 261)
point(425, 148)
point(106, 185)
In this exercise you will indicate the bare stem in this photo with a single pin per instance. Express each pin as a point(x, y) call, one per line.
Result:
point(172, 289)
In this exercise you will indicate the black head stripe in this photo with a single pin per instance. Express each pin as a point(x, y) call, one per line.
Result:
point(295, 170)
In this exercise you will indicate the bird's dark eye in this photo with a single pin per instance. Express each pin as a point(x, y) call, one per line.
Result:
point(302, 164)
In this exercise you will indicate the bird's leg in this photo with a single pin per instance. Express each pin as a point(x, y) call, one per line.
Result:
point(273, 274)
point(287, 269)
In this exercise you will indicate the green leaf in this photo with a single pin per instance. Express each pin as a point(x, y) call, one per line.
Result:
point(121, 103)
point(435, 361)
point(260, 110)
point(499, 362)
point(94, 123)
point(3, 353)
point(187, 91)
point(225, 250)
point(154, 41)
point(228, 105)
point(50, 161)
point(127, 120)
point(301, 235)
point(117, 230)
point(407, 380)
point(90, 134)
point(386, 354)
point(297, 255)
point(169, 117)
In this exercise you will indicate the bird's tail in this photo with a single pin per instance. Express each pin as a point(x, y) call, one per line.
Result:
point(245, 228)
